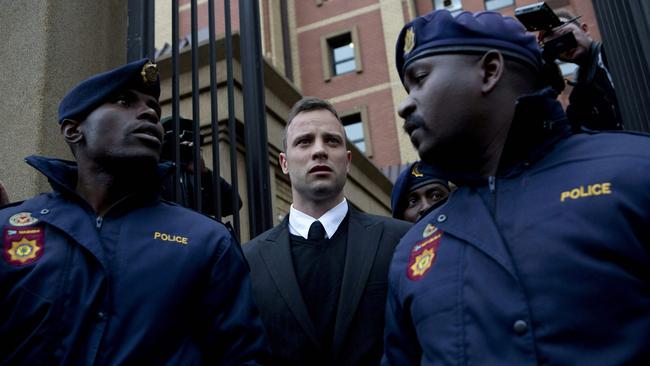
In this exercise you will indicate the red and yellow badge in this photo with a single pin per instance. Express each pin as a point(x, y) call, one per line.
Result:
point(423, 255)
point(23, 245)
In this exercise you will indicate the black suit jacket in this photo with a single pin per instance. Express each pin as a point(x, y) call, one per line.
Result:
point(358, 332)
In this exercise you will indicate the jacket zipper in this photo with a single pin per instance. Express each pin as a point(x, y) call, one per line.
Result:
point(492, 184)
point(98, 222)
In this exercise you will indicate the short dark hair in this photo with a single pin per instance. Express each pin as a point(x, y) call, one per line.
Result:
point(307, 104)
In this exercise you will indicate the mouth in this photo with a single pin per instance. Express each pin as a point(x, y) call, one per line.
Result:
point(320, 169)
point(148, 133)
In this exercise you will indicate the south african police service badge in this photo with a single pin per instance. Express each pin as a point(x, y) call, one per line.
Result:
point(23, 245)
point(423, 255)
point(149, 73)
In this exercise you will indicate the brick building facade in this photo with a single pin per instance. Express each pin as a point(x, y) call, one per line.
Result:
point(343, 51)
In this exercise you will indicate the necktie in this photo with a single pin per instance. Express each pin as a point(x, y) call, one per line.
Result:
point(316, 231)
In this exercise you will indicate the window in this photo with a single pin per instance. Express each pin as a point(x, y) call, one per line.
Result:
point(454, 6)
point(356, 129)
point(340, 53)
point(498, 4)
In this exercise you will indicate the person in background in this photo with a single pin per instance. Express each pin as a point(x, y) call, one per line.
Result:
point(100, 271)
point(592, 102)
point(542, 254)
point(186, 179)
point(417, 190)
point(319, 277)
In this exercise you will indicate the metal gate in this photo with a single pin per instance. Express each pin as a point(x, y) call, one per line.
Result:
point(141, 44)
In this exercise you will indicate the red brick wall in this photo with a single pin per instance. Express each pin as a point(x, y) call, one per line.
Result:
point(308, 12)
point(383, 134)
point(375, 72)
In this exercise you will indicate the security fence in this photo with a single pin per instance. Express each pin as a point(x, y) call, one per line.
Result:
point(186, 187)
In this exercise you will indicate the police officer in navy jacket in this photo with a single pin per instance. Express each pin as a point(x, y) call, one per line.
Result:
point(100, 271)
point(542, 255)
point(417, 190)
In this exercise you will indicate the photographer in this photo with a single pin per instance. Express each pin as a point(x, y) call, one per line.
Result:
point(592, 102)
point(186, 180)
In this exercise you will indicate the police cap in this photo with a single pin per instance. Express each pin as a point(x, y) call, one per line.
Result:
point(417, 175)
point(141, 75)
point(439, 32)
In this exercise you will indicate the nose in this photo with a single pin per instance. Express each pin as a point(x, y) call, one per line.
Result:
point(406, 107)
point(425, 204)
point(319, 152)
point(147, 111)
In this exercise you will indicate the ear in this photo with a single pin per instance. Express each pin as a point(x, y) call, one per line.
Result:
point(70, 131)
point(492, 65)
point(283, 163)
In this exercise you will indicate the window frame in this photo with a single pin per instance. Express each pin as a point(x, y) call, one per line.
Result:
point(326, 52)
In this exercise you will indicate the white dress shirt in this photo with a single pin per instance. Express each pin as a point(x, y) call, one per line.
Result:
point(299, 222)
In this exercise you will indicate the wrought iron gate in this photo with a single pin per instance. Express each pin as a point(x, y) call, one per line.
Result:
point(140, 44)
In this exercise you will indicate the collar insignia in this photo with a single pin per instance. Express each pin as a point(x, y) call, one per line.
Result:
point(22, 219)
point(429, 230)
point(149, 73)
point(409, 40)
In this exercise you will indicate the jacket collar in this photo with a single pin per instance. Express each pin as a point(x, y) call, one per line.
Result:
point(539, 122)
point(62, 174)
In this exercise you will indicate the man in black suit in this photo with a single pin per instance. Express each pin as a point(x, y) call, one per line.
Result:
point(319, 278)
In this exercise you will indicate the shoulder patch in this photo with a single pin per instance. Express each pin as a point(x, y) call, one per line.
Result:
point(423, 255)
point(23, 245)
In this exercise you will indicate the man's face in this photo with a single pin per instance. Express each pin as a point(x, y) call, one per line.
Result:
point(583, 40)
point(317, 160)
point(127, 127)
point(440, 108)
point(421, 199)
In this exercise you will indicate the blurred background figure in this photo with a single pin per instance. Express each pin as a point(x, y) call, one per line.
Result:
point(186, 181)
point(592, 102)
point(417, 190)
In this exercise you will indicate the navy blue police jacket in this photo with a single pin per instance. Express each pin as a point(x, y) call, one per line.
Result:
point(545, 264)
point(149, 283)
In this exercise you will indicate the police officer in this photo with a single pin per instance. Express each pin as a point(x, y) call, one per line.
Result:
point(542, 255)
point(100, 271)
point(418, 190)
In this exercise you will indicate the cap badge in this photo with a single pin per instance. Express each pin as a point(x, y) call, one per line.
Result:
point(409, 40)
point(22, 219)
point(416, 172)
point(149, 73)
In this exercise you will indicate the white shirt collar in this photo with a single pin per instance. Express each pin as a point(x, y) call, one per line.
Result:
point(299, 222)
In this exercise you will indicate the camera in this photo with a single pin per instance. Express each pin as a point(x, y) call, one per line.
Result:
point(185, 137)
point(540, 17)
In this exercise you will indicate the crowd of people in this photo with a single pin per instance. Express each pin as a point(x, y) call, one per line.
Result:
point(521, 237)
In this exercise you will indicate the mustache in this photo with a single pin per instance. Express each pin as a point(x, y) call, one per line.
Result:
point(412, 122)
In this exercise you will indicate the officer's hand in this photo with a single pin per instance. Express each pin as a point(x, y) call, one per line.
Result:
point(4, 197)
